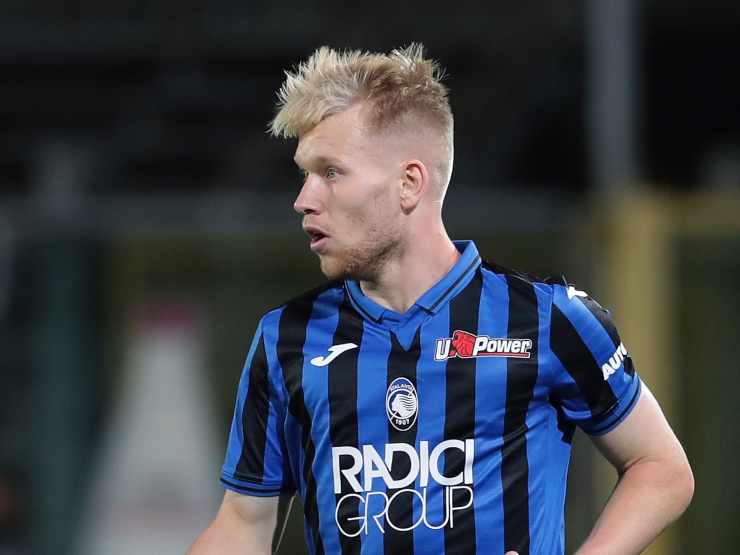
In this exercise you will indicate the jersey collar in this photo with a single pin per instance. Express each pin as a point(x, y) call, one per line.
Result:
point(431, 301)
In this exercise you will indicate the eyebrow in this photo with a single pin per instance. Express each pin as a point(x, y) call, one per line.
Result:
point(321, 160)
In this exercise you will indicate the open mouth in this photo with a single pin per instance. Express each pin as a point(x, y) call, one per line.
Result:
point(317, 237)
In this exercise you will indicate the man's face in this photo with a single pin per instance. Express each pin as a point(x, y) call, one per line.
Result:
point(350, 196)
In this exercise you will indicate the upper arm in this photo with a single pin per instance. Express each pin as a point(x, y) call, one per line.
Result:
point(644, 435)
point(266, 515)
point(244, 524)
point(251, 510)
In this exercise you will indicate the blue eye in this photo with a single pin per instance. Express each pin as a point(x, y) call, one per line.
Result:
point(331, 173)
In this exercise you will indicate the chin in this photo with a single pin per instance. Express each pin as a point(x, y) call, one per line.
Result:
point(333, 269)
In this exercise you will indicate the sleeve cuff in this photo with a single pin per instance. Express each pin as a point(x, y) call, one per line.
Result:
point(230, 482)
point(607, 422)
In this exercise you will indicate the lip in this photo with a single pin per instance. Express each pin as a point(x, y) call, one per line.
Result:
point(318, 237)
point(319, 246)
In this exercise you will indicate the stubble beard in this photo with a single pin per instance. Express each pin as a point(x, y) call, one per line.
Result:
point(366, 260)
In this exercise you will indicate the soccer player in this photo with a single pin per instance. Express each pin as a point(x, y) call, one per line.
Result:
point(423, 400)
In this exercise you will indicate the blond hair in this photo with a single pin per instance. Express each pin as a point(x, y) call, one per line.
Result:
point(396, 86)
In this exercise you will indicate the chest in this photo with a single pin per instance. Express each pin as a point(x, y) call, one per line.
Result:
point(444, 383)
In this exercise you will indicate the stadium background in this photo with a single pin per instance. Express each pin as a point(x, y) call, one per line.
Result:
point(146, 223)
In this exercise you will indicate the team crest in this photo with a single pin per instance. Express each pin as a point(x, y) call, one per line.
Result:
point(401, 404)
point(463, 344)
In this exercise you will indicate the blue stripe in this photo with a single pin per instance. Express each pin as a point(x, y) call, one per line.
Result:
point(372, 422)
point(550, 536)
point(319, 336)
point(431, 392)
point(490, 402)
point(541, 431)
point(245, 488)
point(277, 425)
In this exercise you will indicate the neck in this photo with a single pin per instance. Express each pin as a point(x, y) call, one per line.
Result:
point(422, 263)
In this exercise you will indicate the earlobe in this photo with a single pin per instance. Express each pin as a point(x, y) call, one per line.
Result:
point(409, 197)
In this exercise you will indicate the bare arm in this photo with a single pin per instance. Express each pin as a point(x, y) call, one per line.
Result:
point(655, 482)
point(244, 524)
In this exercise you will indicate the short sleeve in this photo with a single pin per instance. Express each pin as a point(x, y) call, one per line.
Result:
point(594, 380)
point(254, 462)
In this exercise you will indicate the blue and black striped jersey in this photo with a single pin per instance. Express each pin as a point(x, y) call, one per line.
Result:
point(446, 429)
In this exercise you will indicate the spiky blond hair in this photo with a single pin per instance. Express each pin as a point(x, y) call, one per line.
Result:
point(398, 86)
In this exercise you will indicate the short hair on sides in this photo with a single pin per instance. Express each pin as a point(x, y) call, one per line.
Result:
point(397, 86)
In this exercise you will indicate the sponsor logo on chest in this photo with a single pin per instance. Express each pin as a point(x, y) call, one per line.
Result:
point(463, 344)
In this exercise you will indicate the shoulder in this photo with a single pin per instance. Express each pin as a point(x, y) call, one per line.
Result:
point(520, 283)
point(551, 293)
point(296, 311)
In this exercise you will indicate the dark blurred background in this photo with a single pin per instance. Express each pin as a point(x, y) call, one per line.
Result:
point(146, 223)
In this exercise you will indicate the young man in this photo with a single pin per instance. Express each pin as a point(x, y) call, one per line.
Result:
point(424, 401)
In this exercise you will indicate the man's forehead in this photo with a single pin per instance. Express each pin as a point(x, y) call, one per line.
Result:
point(332, 138)
point(316, 150)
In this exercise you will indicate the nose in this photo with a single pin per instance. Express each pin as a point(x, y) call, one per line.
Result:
point(308, 201)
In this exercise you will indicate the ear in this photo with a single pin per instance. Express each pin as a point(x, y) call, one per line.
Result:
point(414, 183)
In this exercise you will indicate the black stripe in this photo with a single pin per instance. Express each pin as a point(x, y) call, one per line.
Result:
point(401, 363)
point(292, 336)
point(255, 413)
point(602, 315)
point(581, 365)
point(460, 414)
point(521, 376)
point(566, 427)
point(343, 414)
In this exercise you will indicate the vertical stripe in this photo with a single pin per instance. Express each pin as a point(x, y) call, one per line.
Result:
point(343, 417)
point(602, 315)
point(372, 426)
point(400, 514)
point(291, 339)
point(319, 333)
point(596, 337)
point(521, 376)
point(548, 451)
point(493, 321)
point(579, 362)
point(460, 401)
point(235, 447)
point(251, 465)
point(431, 389)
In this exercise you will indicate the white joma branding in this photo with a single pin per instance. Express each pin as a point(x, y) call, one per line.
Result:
point(334, 352)
point(614, 362)
point(573, 292)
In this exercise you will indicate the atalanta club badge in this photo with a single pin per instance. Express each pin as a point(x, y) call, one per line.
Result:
point(401, 404)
